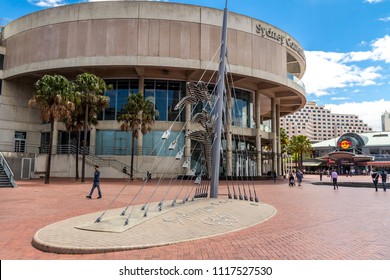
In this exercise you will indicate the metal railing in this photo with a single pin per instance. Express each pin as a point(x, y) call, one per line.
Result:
point(7, 170)
point(93, 159)
point(295, 80)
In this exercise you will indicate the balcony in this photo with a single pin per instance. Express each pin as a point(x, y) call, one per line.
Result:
point(295, 80)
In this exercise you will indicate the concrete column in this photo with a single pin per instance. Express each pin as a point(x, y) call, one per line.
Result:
point(92, 140)
point(140, 135)
point(229, 153)
point(258, 132)
point(187, 150)
point(274, 137)
point(278, 147)
point(55, 138)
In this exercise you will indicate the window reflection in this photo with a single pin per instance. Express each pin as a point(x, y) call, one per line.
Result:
point(242, 107)
point(166, 94)
point(121, 89)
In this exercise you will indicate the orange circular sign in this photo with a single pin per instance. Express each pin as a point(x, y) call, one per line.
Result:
point(345, 144)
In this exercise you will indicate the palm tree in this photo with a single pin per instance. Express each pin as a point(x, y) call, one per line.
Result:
point(138, 115)
point(284, 145)
point(300, 145)
point(90, 89)
point(53, 99)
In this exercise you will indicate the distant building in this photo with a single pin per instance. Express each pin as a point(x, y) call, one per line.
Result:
point(356, 153)
point(385, 121)
point(319, 124)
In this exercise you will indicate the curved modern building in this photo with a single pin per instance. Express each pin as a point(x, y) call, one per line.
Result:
point(154, 48)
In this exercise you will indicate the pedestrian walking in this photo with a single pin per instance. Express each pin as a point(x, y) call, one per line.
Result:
point(274, 175)
point(299, 177)
point(375, 176)
point(291, 180)
point(320, 175)
point(96, 183)
point(334, 177)
point(384, 178)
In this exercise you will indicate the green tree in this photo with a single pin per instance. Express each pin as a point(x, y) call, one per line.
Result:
point(90, 90)
point(137, 116)
point(53, 99)
point(284, 145)
point(283, 140)
point(299, 145)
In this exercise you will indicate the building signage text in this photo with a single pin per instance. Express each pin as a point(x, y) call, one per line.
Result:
point(280, 38)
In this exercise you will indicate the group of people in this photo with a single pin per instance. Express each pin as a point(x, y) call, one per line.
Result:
point(375, 175)
point(291, 178)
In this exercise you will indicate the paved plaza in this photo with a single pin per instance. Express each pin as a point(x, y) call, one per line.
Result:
point(312, 222)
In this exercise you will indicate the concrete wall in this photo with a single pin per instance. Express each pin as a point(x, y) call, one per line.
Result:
point(141, 33)
point(16, 116)
point(65, 166)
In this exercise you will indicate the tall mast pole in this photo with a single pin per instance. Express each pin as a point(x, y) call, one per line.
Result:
point(218, 110)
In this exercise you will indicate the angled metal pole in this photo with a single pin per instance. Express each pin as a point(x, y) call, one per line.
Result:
point(218, 110)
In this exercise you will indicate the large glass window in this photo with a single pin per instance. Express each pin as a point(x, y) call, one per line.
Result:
point(165, 95)
point(242, 107)
point(162, 93)
point(114, 142)
point(121, 89)
point(153, 145)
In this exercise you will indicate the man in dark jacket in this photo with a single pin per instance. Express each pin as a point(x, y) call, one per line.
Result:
point(96, 183)
point(375, 176)
point(384, 177)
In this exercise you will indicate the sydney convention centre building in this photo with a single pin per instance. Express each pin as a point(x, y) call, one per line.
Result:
point(154, 48)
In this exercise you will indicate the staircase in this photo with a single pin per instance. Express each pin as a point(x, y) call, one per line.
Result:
point(4, 180)
point(6, 175)
point(108, 162)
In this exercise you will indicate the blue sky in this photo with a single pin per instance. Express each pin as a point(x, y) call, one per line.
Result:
point(346, 43)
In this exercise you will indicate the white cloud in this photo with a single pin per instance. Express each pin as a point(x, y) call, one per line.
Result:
point(380, 51)
point(124, 0)
point(368, 111)
point(374, 1)
point(326, 71)
point(385, 19)
point(47, 3)
point(329, 70)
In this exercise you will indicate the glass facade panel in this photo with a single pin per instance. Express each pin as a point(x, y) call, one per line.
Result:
point(163, 94)
point(242, 107)
point(114, 142)
point(118, 97)
point(174, 95)
point(123, 91)
point(161, 100)
point(153, 145)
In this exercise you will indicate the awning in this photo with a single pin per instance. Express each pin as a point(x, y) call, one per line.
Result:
point(375, 163)
point(342, 155)
point(311, 163)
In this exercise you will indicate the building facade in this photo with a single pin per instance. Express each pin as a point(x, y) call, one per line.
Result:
point(154, 48)
point(355, 153)
point(319, 124)
point(385, 120)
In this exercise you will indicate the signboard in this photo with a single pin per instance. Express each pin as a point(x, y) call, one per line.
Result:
point(346, 143)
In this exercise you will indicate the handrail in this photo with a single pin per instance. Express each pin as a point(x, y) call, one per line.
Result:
point(7, 170)
point(296, 80)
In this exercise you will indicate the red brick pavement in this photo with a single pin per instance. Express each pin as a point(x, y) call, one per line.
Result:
point(313, 222)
